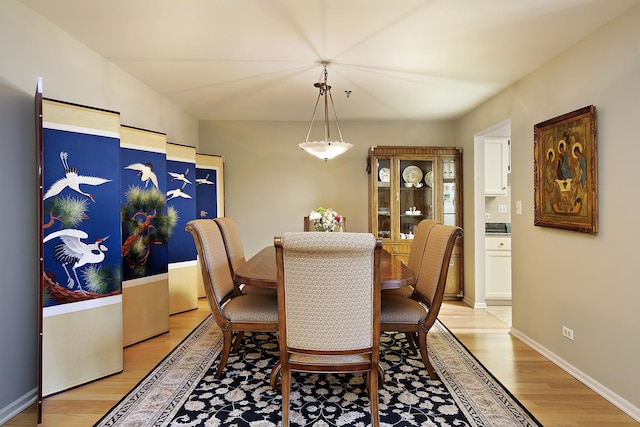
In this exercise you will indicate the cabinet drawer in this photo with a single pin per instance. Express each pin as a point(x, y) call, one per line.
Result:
point(497, 243)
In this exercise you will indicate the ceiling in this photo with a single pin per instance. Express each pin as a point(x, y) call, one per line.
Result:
point(258, 59)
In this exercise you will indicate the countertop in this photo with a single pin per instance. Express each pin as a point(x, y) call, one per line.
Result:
point(499, 229)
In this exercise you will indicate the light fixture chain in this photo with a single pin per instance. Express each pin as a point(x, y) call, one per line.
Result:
point(327, 93)
point(313, 116)
point(335, 115)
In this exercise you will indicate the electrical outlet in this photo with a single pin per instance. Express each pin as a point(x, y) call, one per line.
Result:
point(502, 208)
point(567, 333)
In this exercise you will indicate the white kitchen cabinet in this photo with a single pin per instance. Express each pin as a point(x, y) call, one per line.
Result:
point(498, 270)
point(497, 164)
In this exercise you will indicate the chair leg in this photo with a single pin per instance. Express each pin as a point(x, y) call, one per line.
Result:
point(236, 343)
point(381, 377)
point(286, 391)
point(411, 340)
point(226, 348)
point(373, 397)
point(422, 342)
point(274, 379)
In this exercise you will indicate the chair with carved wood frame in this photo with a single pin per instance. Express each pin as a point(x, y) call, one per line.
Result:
point(235, 254)
point(418, 313)
point(329, 301)
point(415, 261)
point(232, 312)
point(415, 256)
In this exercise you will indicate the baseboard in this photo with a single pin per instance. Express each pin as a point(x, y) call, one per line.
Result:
point(501, 302)
point(475, 305)
point(615, 399)
point(17, 406)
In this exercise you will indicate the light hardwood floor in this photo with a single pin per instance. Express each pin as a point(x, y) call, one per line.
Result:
point(549, 393)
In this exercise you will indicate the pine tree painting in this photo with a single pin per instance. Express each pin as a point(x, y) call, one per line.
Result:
point(146, 226)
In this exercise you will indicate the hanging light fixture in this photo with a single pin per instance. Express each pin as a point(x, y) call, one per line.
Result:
point(326, 149)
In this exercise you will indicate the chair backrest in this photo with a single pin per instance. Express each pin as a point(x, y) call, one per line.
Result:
point(329, 291)
point(232, 242)
point(432, 277)
point(309, 226)
point(216, 274)
point(419, 244)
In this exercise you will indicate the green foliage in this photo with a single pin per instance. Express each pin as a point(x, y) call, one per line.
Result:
point(145, 199)
point(70, 211)
point(101, 280)
point(46, 297)
point(172, 220)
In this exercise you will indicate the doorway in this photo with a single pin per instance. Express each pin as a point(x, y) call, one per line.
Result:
point(492, 219)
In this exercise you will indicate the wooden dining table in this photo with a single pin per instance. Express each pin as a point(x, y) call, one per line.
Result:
point(261, 270)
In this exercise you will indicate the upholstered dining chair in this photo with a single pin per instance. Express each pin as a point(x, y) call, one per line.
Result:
point(308, 224)
point(235, 254)
point(418, 313)
point(329, 301)
point(415, 256)
point(415, 261)
point(232, 312)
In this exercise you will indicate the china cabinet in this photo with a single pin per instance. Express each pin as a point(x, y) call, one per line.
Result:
point(409, 184)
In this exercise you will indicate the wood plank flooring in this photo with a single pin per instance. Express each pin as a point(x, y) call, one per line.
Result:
point(554, 397)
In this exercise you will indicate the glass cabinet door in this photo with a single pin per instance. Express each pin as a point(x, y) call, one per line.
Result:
point(384, 199)
point(449, 202)
point(416, 195)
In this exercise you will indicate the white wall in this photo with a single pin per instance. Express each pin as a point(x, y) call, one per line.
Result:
point(271, 184)
point(32, 47)
point(585, 282)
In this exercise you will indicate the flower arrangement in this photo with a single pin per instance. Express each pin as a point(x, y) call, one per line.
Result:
point(326, 219)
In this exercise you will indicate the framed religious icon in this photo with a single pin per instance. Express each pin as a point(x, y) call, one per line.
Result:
point(565, 172)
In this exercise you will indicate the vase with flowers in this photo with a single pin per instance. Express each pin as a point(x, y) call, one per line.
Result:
point(326, 219)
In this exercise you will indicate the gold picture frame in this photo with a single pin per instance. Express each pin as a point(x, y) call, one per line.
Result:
point(565, 172)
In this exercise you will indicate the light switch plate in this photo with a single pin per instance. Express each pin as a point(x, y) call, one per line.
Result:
point(519, 207)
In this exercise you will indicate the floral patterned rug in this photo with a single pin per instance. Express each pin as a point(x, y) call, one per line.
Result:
point(181, 390)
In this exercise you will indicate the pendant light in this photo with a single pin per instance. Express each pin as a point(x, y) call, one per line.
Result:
point(326, 149)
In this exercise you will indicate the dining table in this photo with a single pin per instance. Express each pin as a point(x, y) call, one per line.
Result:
point(261, 270)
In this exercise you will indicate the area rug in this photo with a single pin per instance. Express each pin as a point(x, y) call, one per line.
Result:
point(181, 390)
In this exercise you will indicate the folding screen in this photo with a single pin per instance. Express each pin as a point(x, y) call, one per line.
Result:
point(40, 165)
point(181, 202)
point(146, 227)
point(209, 193)
point(81, 265)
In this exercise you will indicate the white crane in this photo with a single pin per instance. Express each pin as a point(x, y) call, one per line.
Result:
point(145, 170)
point(204, 180)
point(72, 180)
point(180, 177)
point(172, 194)
point(72, 251)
